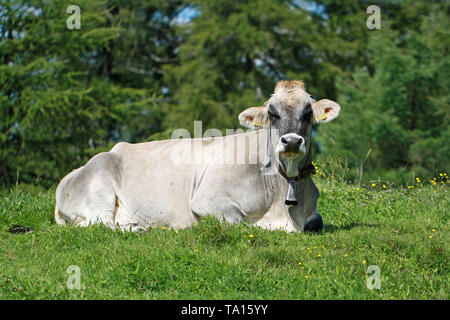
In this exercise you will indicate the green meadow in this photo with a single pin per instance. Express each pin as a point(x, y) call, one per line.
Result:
point(402, 231)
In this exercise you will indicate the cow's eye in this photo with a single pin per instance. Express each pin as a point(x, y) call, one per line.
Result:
point(273, 115)
point(307, 114)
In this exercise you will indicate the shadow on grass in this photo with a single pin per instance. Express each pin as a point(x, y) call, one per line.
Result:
point(331, 228)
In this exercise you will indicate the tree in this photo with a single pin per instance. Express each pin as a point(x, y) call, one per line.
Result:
point(401, 111)
point(59, 100)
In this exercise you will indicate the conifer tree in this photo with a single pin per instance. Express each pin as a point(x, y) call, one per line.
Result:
point(401, 111)
point(60, 97)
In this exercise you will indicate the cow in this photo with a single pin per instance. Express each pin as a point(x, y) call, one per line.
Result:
point(138, 186)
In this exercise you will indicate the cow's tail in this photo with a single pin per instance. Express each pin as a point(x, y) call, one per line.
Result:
point(58, 216)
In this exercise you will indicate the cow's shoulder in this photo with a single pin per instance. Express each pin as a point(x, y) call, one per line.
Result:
point(120, 147)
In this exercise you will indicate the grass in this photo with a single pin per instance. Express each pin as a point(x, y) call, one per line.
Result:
point(403, 231)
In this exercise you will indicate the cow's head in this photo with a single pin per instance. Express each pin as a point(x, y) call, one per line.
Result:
point(289, 113)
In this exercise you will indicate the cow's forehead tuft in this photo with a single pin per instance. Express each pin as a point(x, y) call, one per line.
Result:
point(290, 93)
point(290, 85)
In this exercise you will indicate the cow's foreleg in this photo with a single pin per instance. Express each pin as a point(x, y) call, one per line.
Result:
point(222, 208)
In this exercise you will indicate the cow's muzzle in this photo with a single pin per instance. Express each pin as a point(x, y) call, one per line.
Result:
point(291, 145)
point(292, 142)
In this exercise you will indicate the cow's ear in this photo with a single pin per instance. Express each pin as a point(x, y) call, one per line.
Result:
point(325, 110)
point(254, 118)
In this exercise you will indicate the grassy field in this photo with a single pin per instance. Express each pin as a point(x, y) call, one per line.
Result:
point(403, 231)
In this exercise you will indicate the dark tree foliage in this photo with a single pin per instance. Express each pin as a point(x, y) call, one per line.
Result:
point(68, 94)
point(401, 111)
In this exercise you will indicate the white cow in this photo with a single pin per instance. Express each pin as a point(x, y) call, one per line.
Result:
point(261, 176)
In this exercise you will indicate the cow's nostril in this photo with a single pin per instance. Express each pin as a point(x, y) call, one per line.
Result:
point(283, 140)
point(300, 141)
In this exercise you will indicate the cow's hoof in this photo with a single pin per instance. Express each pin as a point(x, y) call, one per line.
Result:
point(314, 223)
